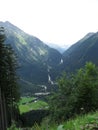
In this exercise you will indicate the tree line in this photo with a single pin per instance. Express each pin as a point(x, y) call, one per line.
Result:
point(9, 91)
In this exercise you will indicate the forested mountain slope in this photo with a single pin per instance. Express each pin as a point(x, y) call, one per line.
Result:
point(37, 61)
point(83, 51)
point(40, 64)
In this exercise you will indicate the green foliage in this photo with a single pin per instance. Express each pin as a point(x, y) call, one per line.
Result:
point(86, 88)
point(13, 127)
point(59, 102)
point(9, 94)
point(86, 122)
point(78, 93)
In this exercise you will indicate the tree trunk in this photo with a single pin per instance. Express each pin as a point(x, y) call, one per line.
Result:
point(3, 115)
point(4, 111)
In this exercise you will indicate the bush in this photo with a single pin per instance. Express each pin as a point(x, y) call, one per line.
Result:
point(77, 94)
point(13, 127)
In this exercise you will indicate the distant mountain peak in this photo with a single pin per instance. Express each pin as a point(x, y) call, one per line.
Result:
point(10, 27)
point(7, 22)
point(60, 48)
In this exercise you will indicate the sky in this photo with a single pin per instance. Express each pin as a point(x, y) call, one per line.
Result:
point(62, 22)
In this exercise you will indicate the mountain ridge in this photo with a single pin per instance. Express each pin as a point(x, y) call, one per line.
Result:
point(83, 51)
point(37, 60)
point(41, 64)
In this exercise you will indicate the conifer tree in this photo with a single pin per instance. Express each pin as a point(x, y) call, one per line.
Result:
point(9, 94)
point(3, 120)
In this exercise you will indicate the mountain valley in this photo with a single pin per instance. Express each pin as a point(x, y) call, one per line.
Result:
point(40, 65)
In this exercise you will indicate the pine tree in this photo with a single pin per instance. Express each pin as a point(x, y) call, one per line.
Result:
point(12, 94)
point(2, 81)
point(9, 94)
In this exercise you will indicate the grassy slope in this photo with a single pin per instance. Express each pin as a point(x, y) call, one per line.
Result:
point(27, 104)
point(86, 122)
point(26, 99)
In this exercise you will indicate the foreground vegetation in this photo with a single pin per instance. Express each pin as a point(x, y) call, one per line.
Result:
point(77, 94)
point(86, 122)
point(76, 97)
point(9, 88)
point(83, 122)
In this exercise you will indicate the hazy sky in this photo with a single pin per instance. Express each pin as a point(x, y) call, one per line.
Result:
point(55, 21)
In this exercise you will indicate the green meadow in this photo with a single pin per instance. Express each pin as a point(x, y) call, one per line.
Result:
point(31, 103)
